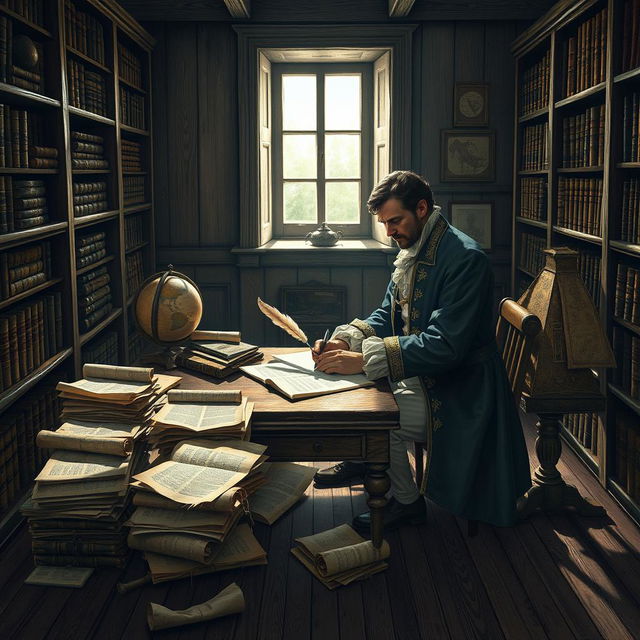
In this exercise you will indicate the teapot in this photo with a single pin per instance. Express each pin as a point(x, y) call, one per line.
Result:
point(323, 236)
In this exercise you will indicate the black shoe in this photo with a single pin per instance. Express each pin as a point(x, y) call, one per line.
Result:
point(394, 515)
point(339, 475)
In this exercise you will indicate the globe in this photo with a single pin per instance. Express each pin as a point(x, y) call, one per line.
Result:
point(25, 53)
point(178, 311)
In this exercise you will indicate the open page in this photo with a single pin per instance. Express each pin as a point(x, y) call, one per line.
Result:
point(226, 502)
point(285, 484)
point(296, 382)
point(232, 455)
point(113, 389)
point(198, 417)
point(98, 429)
point(96, 444)
point(230, 600)
point(76, 465)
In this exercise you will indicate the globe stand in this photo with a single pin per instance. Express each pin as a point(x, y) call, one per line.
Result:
point(166, 357)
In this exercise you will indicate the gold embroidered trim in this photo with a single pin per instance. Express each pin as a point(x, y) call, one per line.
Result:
point(394, 358)
point(365, 328)
point(439, 228)
point(422, 274)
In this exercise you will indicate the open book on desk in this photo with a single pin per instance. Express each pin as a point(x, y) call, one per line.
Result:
point(294, 376)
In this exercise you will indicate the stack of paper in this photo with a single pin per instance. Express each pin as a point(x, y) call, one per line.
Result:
point(198, 414)
point(340, 556)
point(187, 507)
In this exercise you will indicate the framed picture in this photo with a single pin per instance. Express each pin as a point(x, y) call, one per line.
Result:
point(467, 156)
point(470, 105)
point(475, 219)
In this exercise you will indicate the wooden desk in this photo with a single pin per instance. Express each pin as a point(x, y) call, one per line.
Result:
point(353, 425)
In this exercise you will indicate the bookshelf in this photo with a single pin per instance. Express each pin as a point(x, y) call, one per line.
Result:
point(577, 183)
point(76, 209)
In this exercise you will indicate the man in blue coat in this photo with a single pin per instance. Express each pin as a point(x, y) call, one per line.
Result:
point(434, 338)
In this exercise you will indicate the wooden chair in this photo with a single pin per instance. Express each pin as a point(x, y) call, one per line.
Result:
point(515, 331)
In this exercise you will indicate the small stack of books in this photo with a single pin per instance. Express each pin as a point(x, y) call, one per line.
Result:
point(131, 155)
point(217, 353)
point(87, 151)
point(95, 281)
point(24, 268)
point(89, 197)
point(23, 204)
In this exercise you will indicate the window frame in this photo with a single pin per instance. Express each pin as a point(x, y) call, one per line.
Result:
point(362, 229)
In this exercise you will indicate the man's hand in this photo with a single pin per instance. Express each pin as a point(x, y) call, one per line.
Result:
point(339, 360)
point(329, 346)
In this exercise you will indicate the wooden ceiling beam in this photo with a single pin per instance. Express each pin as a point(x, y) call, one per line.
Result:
point(239, 8)
point(400, 8)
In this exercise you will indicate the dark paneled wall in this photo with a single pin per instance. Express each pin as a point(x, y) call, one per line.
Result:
point(196, 161)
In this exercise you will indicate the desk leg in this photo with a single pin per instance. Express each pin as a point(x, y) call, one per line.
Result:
point(376, 483)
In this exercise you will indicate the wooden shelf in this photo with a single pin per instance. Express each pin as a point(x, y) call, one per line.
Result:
point(541, 224)
point(136, 208)
point(627, 325)
point(9, 396)
point(89, 172)
point(16, 238)
point(578, 235)
point(632, 74)
point(134, 130)
point(35, 28)
point(534, 172)
point(135, 173)
point(94, 218)
point(92, 333)
point(137, 247)
point(89, 115)
point(23, 97)
point(535, 115)
point(577, 97)
point(625, 397)
point(30, 292)
point(133, 87)
point(26, 172)
point(598, 169)
point(94, 265)
point(625, 247)
point(85, 58)
point(628, 165)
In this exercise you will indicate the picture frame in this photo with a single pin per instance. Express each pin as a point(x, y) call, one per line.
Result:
point(471, 104)
point(467, 155)
point(475, 219)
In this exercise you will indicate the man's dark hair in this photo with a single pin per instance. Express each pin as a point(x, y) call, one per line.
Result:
point(406, 186)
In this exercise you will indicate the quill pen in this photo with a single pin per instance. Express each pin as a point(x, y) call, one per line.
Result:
point(283, 321)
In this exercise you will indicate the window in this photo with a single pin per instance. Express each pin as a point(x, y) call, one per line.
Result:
point(322, 138)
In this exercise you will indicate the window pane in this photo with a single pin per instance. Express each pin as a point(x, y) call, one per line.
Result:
point(342, 155)
point(342, 102)
point(300, 202)
point(299, 156)
point(343, 202)
point(299, 103)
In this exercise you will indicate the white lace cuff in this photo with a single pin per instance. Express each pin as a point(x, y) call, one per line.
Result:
point(374, 355)
point(352, 336)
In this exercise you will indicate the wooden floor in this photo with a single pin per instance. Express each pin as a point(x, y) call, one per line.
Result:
point(555, 576)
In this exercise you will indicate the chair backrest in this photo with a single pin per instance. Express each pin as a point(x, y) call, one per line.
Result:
point(516, 329)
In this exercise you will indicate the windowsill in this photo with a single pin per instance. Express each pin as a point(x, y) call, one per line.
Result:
point(361, 245)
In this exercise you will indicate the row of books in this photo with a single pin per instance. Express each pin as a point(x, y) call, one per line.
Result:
point(102, 349)
point(20, 459)
point(133, 231)
point(626, 347)
point(32, 10)
point(25, 268)
point(134, 189)
point(534, 87)
point(131, 155)
point(30, 334)
point(533, 198)
point(87, 151)
point(129, 66)
point(630, 214)
point(531, 256)
point(134, 272)
point(585, 55)
point(583, 138)
point(95, 300)
point(87, 88)
point(132, 108)
point(579, 204)
point(90, 248)
point(584, 428)
point(23, 204)
point(589, 270)
point(84, 32)
point(89, 197)
point(11, 72)
point(631, 35)
point(630, 126)
point(20, 141)
point(627, 452)
point(535, 147)
point(627, 296)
